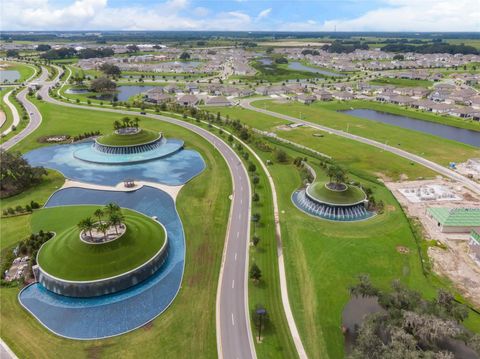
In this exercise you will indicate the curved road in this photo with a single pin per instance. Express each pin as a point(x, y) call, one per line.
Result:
point(246, 103)
point(33, 113)
point(234, 336)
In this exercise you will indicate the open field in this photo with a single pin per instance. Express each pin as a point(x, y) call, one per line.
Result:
point(187, 328)
point(323, 258)
point(401, 82)
point(277, 73)
point(65, 256)
point(358, 157)
point(431, 147)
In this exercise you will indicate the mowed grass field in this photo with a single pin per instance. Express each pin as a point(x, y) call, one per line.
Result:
point(428, 146)
point(401, 82)
point(323, 258)
point(65, 256)
point(187, 328)
point(357, 157)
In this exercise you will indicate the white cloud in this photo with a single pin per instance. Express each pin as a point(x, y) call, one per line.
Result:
point(414, 15)
point(264, 13)
point(394, 15)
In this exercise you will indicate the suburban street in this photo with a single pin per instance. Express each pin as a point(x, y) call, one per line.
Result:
point(32, 111)
point(246, 103)
point(234, 336)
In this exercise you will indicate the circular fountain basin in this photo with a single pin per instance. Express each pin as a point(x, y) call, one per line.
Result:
point(345, 205)
point(115, 155)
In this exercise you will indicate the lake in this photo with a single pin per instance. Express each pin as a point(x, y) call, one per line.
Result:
point(9, 76)
point(468, 137)
point(124, 93)
point(298, 66)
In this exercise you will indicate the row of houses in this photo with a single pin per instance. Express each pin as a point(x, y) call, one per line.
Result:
point(185, 99)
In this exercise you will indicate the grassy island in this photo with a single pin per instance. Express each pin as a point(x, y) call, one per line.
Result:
point(350, 195)
point(141, 137)
point(67, 257)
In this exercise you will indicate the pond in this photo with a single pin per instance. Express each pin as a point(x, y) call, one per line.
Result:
point(298, 66)
point(468, 137)
point(123, 93)
point(265, 61)
point(358, 308)
point(9, 76)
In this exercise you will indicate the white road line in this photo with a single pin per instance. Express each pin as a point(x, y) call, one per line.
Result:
point(235, 256)
point(233, 320)
point(238, 234)
point(240, 216)
point(233, 283)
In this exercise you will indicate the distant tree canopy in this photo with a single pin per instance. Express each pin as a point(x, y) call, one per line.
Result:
point(399, 57)
point(103, 84)
point(12, 53)
point(16, 174)
point(185, 56)
point(133, 48)
point(437, 47)
point(344, 46)
point(91, 53)
point(310, 52)
point(110, 69)
point(281, 60)
point(62, 53)
point(408, 326)
point(43, 47)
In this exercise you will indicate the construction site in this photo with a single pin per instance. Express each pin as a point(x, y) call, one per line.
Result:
point(450, 215)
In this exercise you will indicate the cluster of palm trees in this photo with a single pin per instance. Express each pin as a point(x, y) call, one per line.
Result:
point(109, 216)
point(126, 122)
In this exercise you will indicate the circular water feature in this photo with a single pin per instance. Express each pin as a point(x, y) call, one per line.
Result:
point(333, 208)
point(104, 312)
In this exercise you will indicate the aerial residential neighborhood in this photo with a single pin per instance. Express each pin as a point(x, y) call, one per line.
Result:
point(240, 179)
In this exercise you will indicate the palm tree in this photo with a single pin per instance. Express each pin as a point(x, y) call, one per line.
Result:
point(112, 208)
point(89, 225)
point(99, 214)
point(103, 227)
point(115, 220)
point(331, 172)
point(117, 125)
point(340, 175)
point(135, 122)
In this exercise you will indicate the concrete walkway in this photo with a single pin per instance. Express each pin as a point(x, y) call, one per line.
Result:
point(16, 116)
point(5, 351)
point(171, 190)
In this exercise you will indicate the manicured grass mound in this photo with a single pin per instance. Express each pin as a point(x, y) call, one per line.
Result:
point(65, 256)
point(351, 195)
point(140, 138)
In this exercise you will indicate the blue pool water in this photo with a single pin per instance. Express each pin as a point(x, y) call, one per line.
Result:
point(100, 317)
point(175, 169)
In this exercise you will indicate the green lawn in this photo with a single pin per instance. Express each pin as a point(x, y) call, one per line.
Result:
point(401, 82)
point(277, 73)
point(114, 139)
point(431, 147)
point(67, 257)
point(352, 194)
point(6, 110)
point(357, 157)
point(39, 193)
point(187, 328)
point(323, 258)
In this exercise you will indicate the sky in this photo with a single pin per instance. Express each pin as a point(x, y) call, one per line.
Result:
point(234, 15)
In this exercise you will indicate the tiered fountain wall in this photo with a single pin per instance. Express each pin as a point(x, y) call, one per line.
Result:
point(125, 150)
point(334, 212)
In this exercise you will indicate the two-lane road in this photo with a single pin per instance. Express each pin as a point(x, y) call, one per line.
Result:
point(32, 111)
point(234, 336)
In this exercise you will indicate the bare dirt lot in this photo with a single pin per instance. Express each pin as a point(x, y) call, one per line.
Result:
point(454, 260)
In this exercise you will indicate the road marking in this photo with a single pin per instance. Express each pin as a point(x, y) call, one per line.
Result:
point(233, 320)
point(238, 234)
point(235, 256)
point(233, 283)
point(240, 216)
point(241, 201)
